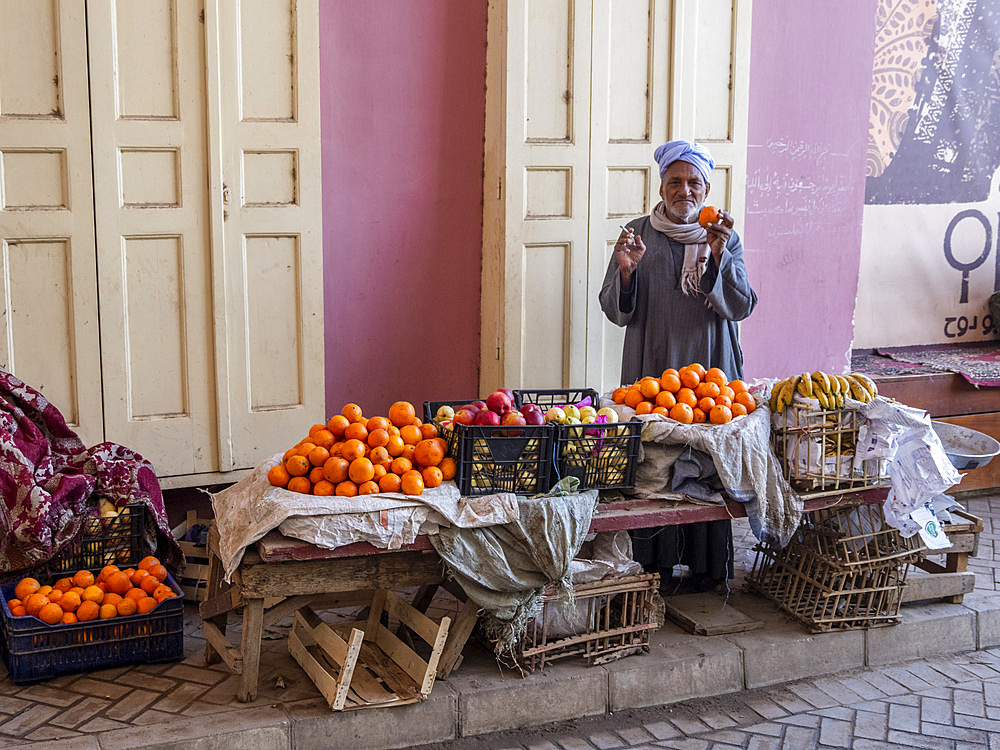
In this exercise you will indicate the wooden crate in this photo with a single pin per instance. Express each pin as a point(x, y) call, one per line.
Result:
point(952, 580)
point(194, 580)
point(364, 664)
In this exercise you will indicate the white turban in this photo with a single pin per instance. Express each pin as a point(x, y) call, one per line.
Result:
point(688, 151)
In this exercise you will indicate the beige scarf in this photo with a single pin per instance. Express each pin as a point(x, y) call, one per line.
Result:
point(696, 249)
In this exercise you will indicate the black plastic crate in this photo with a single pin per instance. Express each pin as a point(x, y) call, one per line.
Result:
point(33, 650)
point(118, 540)
point(549, 397)
point(601, 456)
point(512, 458)
point(431, 407)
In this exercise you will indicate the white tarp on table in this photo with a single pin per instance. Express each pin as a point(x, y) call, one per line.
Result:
point(249, 509)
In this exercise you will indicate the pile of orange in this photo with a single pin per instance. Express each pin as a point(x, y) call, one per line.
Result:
point(352, 455)
point(691, 394)
point(83, 596)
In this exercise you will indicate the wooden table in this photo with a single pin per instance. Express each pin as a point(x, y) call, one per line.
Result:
point(299, 574)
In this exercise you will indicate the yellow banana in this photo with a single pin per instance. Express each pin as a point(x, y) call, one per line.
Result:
point(774, 393)
point(845, 385)
point(834, 385)
point(825, 401)
point(867, 382)
point(823, 378)
point(858, 391)
point(784, 394)
point(804, 385)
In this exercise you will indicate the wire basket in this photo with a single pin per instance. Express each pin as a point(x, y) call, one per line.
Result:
point(609, 619)
point(816, 448)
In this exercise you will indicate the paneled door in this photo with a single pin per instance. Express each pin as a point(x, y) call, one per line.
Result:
point(631, 75)
point(48, 285)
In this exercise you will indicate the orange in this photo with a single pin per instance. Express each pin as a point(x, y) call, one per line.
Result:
point(448, 468)
point(278, 476)
point(715, 375)
point(315, 474)
point(402, 413)
point(708, 215)
point(661, 410)
point(723, 400)
point(302, 485)
point(395, 445)
point(706, 404)
point(50, 613)
point(145, 605)
point(352, 412)
point(356, 431)
point(697, 367)
point(381, 470)
point(118, 582)
point(106, 571)
point(401, 465)
point(337, 424)
point(45, 590)
point(670, 383)
point(410, 434)
point(665, 399)
point(70, 601)
point(408, 451)
point(158, 572)
point(93, 594)
point(136, 577)
point(324, 438)
point(163, 592)
point(738, 410)
point(111, 599)
point(428, 431)
point(633, 396)
point(668, 371)
point(428, 453)
point(378, 423)
point(335, 469)
point(720, 415)
point(618, 395)
point(380, 457)
point(644, 407)
point(738, 386)
point(11, 603)
point(135, 593)
point(686, 396)
point(126, 607)
point(107, 611)
point(19, 611)
point(318, 456)
point(102, 586)
point(149, 584)
point(432, 476)
point(34, 603)
point(352, 449)
point(707, 389)
point(347, 488)
point(289, 452)
point(316, 428)
point(88, 611)
point(63, 584)
point(77, 590)
point(649, 387)
point(297, 466)
point(26, 587)
point(361, 471)
point(323, 488)
point(389, 483)
point(303, 448)
point(745, 400)
point(82, 578)
point(412, 482)
point(378, 438)
point(727, 391)
point(690, 378)
point(368, 488)
point(68, 618)
point(682, 413)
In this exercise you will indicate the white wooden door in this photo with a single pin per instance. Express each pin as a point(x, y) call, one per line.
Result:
point(48, 284)
point(147, 70)
point(655, 70)
point(270, 269)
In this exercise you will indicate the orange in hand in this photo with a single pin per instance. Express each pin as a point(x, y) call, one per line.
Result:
point(708, 215)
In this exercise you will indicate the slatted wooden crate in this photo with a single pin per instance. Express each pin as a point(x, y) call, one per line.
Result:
point(194, 581)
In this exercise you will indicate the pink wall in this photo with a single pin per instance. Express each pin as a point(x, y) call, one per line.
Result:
point(403, 118)
point(810, 86)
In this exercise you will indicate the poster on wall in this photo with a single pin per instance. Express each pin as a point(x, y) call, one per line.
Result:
point(930, 248)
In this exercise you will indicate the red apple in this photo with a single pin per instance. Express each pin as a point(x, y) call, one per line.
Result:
point(464, 416)
point(513, 417)
point(487, 418)
point(498, 402)
point(534, 417)
point(474, 407)
point(508, 392)
point(531, 407)
point(480, 404)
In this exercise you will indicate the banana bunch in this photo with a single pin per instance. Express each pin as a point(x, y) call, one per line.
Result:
point(830, 390)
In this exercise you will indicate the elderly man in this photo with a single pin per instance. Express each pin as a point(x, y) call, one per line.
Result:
point(679, 290)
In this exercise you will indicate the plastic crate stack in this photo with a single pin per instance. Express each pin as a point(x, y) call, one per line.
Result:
point(844, 569)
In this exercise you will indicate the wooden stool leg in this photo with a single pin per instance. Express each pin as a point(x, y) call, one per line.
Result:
point(214, 586)
point(956, 562)
point(459, 633)
point(253, 629)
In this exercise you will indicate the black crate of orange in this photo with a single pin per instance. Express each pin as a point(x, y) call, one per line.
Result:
point(515, 458)
point(603, 456)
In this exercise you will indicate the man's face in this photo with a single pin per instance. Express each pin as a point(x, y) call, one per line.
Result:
point(683, 192)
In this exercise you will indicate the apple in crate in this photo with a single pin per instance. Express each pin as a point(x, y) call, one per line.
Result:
point(533, 416)
point(487, 418)
point(465, 416)
point(513, 418)
point(499, 402)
